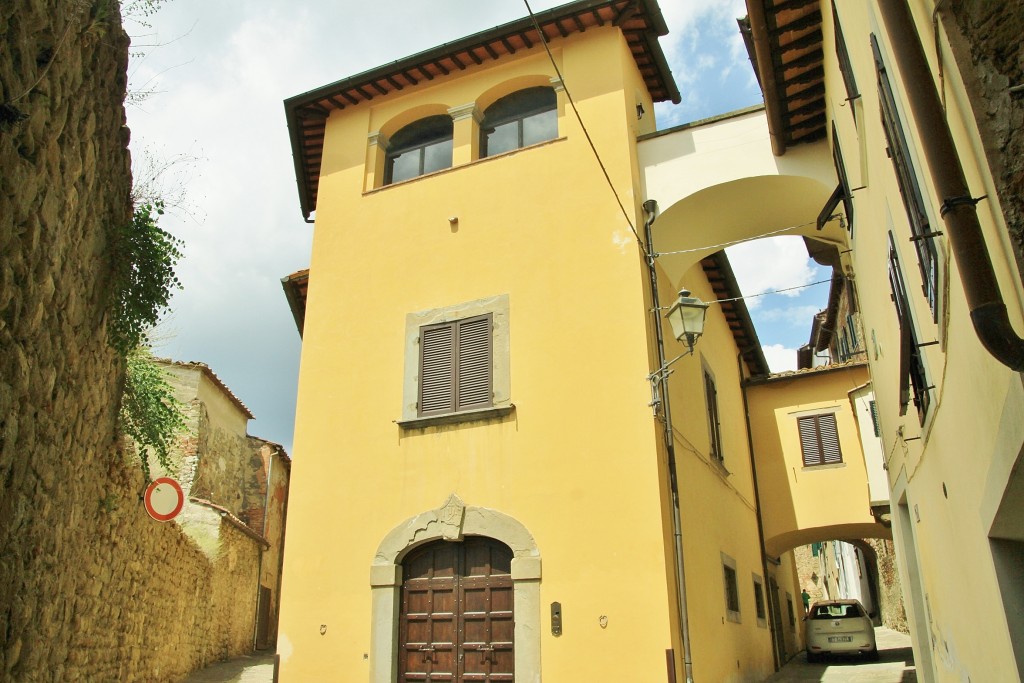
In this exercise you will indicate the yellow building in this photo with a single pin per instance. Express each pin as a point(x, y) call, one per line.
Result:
point(484, 487)
point(916, 101)
point(510, 467)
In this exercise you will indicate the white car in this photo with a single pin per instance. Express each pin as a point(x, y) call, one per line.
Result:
point(839, 627)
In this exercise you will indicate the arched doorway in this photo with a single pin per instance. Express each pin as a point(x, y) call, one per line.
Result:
point(454, 523)
point(457, 617)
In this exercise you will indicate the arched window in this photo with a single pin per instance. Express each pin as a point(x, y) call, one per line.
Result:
point(423, 146)
point(523, 118)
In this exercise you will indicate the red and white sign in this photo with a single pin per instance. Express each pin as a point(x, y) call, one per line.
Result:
point(164, 499)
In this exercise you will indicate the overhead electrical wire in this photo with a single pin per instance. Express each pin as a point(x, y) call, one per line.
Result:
point(604, 170)
point(593, 147)
point(739, 241)
point(753, 296)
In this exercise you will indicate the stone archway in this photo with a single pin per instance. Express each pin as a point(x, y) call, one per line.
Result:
point(453, 521)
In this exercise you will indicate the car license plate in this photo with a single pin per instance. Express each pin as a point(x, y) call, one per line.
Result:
point(839, 639)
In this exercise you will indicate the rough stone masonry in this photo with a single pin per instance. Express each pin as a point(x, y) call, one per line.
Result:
point(91, 589)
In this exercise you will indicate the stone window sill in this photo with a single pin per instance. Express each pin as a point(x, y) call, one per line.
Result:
point(453, 418)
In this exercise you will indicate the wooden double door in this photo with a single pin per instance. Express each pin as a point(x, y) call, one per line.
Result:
point(457, 620)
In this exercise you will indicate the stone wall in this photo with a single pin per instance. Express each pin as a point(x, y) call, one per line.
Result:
point(91, 588)
point(890, 591)
point(986, 41)
point(807, 572)
point(65, 181)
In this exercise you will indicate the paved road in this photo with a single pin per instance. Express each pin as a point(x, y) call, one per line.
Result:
point(895, 665)
point(251, 669)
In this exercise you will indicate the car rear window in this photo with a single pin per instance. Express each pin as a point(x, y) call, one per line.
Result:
point(837, 612)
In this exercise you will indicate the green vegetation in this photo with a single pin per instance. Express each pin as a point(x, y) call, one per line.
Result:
point(144, 257)
point(150, 414)
point(143, 280)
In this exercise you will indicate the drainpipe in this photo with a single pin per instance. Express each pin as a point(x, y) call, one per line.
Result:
point(650, 208)
point(760, 522)
point(958, 211)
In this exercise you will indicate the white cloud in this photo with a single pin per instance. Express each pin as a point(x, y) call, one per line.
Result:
point(799, 316)
point(780, 359)
point(771, 264)
point(221, 71)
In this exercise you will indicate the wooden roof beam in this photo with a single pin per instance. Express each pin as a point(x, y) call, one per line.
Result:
point(807, 21)
point(792, 4)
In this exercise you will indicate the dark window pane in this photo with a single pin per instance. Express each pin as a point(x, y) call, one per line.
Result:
point(418, 133)
point(523, 118)
point(437, 156)
point(421, 147)
point(732, 597)
point(405, 166)
point(503, 138)
point(540, 127)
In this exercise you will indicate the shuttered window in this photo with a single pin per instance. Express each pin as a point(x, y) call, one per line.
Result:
point(910, 190)
point(842, 192)
point(912, 370)
point(455, 366)
point(714, 426)
point(845, 66)
point(819, 440)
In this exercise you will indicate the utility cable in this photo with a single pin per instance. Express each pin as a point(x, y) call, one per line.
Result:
point(752, 296)
point(739, 241)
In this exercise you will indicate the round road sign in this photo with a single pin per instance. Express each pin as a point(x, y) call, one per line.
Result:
point(164, 499)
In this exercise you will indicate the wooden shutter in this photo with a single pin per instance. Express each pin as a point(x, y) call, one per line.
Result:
point(819, 440)
point(845, 66)
point(809, 442)
point(912, 370)
point(473, 383)
point(910, 190)
point(437, 368)
point(455, 366)
point(830, 450)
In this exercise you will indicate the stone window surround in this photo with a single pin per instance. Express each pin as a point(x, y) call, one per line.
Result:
point(453, 521)
point(501, 400)
point(826, 410)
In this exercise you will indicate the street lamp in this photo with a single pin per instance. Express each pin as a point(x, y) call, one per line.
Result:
point(687, 318)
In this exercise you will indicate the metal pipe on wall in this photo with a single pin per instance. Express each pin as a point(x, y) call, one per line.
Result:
point(958, 210)
point(650, 207)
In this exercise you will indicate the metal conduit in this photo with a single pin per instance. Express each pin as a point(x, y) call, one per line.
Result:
point(651, 207)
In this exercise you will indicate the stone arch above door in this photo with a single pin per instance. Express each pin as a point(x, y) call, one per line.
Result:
point(453, 521)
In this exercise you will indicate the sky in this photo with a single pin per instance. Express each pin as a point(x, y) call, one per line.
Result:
point(207, 80)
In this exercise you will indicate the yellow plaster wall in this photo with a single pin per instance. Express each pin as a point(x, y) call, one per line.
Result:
point(951, 472)
point(576, 462)
point(718, 514)
point(803, 504)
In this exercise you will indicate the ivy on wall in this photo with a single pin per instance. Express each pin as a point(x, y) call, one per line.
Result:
point(150, 414)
